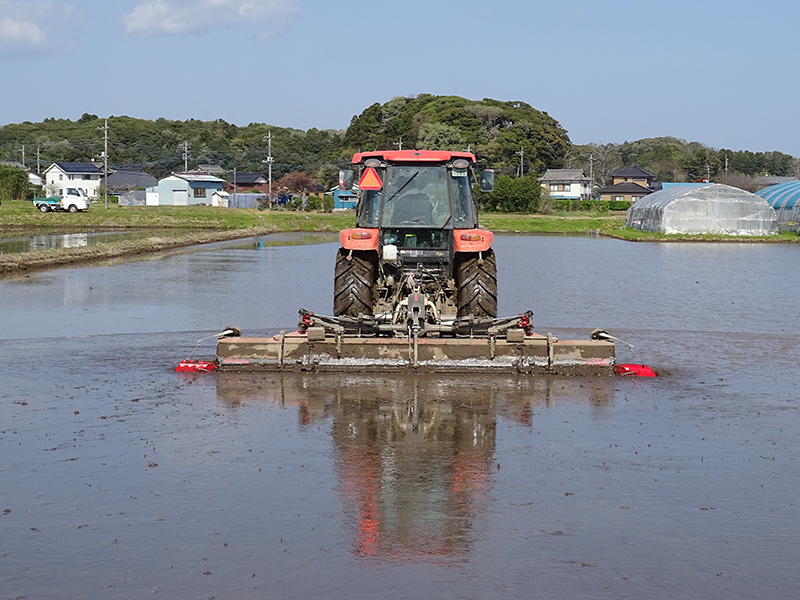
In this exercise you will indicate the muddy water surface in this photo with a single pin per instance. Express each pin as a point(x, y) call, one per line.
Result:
point(122, 479)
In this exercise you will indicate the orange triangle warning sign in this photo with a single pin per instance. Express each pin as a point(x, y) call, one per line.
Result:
point(370, 180)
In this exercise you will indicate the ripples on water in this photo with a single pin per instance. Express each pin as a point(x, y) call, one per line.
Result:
point(120, 478)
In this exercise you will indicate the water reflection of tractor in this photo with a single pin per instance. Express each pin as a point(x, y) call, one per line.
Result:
point(415, 285)
point(413, 470)
point(415, 462)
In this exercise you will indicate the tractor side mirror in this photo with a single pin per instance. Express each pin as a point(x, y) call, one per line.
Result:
point(345, 180)
point(487, 180)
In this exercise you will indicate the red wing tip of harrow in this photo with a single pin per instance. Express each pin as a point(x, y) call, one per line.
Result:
point(195, 366)
point(635, 370)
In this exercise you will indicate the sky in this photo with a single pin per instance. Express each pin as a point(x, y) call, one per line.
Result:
point(723, 73)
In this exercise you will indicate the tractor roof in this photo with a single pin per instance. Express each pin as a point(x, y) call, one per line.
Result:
point(432, 156)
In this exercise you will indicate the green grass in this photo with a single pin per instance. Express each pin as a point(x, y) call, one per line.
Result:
point(565, 223)
point(22, 213)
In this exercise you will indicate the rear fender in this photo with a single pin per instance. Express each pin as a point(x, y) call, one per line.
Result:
point(472, 240)
point(360, 238)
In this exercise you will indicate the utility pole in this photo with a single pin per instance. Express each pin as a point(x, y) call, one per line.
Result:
point(104, 129)
point(23, 155)
point(234, 187)
point(399, 144)
point(185, 157)
point(726, 168)
point(521, 158)
point(268, 139)
point(38, 164)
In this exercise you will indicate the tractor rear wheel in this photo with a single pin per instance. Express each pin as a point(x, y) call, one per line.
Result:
point(353, 283)
point(477, 285)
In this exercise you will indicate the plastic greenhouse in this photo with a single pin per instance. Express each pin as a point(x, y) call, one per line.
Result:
point(703, 208)
point(785, 199)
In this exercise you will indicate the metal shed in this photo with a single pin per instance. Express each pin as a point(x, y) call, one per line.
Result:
point(703, 208)
point(181, 189)
point(784, 198)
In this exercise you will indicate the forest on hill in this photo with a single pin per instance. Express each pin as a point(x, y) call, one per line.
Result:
point(510, 136)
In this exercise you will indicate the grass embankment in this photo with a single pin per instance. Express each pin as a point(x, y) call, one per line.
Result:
point(165, 217)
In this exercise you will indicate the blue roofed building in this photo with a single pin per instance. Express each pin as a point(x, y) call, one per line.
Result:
point(183, 189)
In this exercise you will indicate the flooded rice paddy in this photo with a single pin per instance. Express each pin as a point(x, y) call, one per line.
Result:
point(23, 240)
point(122, 479)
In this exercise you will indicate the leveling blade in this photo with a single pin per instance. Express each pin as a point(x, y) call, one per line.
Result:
point(512, 351)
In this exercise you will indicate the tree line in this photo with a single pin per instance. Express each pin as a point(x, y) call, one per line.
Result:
point(511, 137)
point(676, 160)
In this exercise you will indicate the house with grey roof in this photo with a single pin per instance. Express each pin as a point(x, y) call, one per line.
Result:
point(122, 181)
point(626, 191)
point(634, 174)
point(629, 184)
point(247, 181)
point(87, 176)
point(567, 184)
point(208, 170)
point(183, 189)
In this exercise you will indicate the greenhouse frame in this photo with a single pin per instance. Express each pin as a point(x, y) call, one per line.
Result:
point(703, 208)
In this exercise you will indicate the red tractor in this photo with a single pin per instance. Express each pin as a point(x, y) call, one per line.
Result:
point(416, 286)
point(417, 254)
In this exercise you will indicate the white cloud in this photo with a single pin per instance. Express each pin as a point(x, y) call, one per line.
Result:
point(186, 17)
point(26, 26)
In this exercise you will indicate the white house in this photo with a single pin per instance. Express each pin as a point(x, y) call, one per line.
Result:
point(567, 184)
point(87, 176)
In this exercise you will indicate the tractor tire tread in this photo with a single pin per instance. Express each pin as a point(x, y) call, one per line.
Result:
point(353, 283)
point(477, 285)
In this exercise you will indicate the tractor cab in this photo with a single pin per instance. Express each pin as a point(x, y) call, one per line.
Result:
point(414, 189)
point(416, 231)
